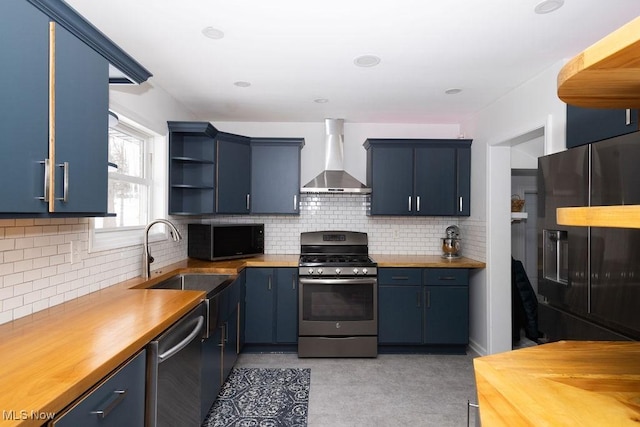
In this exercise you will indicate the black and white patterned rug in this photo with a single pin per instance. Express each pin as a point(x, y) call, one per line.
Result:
point(262, 397)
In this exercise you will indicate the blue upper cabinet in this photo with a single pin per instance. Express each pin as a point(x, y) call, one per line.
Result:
point(81, 126)
point(54, 113)
point(192, 162)
point(587, 125)
point(213, 172)
point(233, 165)
point(24, 106)
point(275, 175)
point(426, 177)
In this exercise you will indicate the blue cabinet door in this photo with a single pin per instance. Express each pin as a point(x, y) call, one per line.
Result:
point(81, 125)
point(287, 306)
point(275, 175)
point(587, 125)
point(392, 181)
point(121, 409)
point(233, 166)
point(24, 128)
point(400, 314)
point(435, 178)
point(230, 344)
point(259, 306)
point(463, 196)
point(446, 319)
point(211, 370)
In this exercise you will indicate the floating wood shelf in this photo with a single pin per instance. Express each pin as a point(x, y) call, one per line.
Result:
point(517, 216)
point(607, 74)
point(625, 216)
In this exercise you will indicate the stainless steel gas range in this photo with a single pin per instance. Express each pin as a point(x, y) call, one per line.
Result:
point(338, 296)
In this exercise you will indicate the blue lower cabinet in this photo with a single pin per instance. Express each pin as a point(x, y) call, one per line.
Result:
point(446, 319)
point(211, 371)
point(118, 401)
point(400, 314)
point(423, 306)
point(259, 306)
point(287, 306)
point(271, 306)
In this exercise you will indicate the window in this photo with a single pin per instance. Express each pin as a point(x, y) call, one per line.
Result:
point(131, 188)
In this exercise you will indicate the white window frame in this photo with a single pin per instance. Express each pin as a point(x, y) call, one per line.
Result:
point(121, 237)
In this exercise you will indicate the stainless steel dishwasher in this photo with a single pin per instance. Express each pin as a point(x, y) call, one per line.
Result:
point(174, 372)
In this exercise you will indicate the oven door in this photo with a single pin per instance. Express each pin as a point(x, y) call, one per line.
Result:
point(338, 307)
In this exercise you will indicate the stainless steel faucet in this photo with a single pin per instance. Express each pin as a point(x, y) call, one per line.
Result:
point(147, 258)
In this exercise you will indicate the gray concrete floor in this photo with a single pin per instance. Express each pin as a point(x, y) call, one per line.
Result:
point(390, 390)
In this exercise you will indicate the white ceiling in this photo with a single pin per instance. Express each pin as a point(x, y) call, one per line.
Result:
point(294, 51)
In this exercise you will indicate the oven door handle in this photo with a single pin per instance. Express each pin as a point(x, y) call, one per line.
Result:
point(339, 281)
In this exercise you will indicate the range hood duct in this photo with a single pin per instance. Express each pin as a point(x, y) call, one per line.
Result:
point(333, 179)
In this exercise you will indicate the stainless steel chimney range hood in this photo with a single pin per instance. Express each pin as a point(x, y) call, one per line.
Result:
point(333, 179)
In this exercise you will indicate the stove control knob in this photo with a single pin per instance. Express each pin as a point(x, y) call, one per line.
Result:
point(319, 270)
point(338, 271)
point(356, 271)
point(311, 271)
point(365, 271)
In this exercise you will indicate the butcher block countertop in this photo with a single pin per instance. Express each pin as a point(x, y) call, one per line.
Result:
point(425, 261)
point(566, 383)
point(52, 357)
point(606, 74)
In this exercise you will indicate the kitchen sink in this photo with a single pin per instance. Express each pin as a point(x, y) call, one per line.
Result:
point(210, 283)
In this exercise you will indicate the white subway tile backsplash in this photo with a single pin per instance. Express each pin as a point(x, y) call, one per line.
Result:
point(35, 254)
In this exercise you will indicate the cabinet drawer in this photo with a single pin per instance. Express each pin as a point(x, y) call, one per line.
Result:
point(400, 276)
point(446, 276)
point(120, 397)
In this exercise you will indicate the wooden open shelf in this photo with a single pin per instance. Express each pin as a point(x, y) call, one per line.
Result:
point(606, 74)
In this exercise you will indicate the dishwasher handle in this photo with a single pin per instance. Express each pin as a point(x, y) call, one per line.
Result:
point(185, 342)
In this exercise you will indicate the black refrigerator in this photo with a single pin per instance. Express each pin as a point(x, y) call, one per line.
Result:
point(589, 277)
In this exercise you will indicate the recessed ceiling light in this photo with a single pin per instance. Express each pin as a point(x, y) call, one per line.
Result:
point(453, 91)
point(321, 100)
point(367, 61)
point(548, 6)
point(242, 84)
point(212, 33)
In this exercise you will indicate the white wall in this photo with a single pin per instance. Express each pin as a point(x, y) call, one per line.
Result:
point(529, 107)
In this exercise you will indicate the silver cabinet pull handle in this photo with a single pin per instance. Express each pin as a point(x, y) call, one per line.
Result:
point(418, 299)
point(223, 332)
point(117, 398)
point(295, 202)
point(248, 200)
point(417, 203)
point(628, 117)
point(269, 283)
point(65, 182)
point(293, 282)
point(45, 186)
point(409, 203)
point(460, 203)
point(428, 296)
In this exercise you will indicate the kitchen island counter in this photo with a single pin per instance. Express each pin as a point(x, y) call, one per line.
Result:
point(565, 383)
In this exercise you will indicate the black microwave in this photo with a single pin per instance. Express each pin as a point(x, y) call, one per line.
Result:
point(225, 241)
